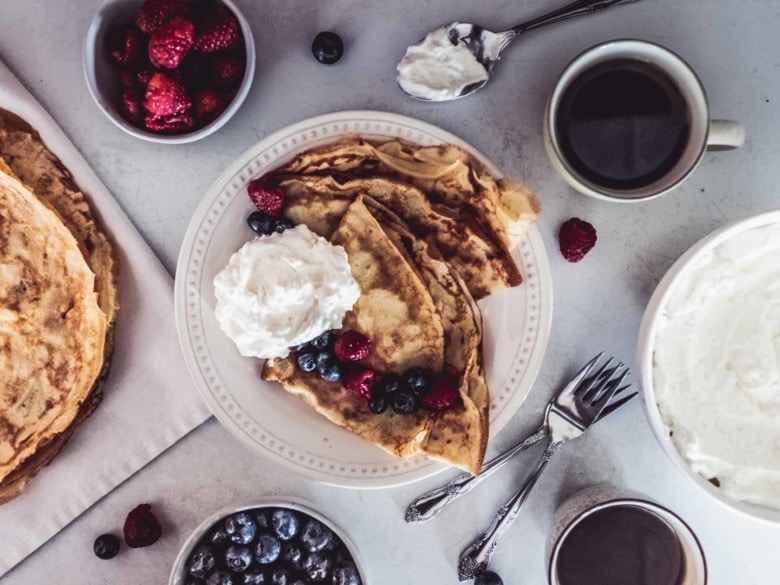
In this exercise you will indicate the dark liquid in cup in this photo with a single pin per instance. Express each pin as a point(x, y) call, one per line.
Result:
point(621, 545)
point(622, 124)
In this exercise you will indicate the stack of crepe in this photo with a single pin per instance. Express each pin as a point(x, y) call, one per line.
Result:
point(427, 232)
point(58, 283)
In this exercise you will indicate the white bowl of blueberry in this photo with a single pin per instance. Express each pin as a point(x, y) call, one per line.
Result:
point(271, 543)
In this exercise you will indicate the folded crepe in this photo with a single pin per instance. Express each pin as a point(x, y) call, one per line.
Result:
point(417, 313)
point(38, 168)
point(52, 329)
point(440, 192)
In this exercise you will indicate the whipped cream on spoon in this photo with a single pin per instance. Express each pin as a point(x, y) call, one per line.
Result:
point(458, 59)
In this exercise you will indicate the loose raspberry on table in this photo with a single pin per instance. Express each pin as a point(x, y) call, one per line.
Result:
point(226, 70)
point(141, 527)
point(126, 45)
point(155, 13)
point(267, 197)
point(208, 105)
point(576, 238)
point(165, 96)
point(444, 395)
point(219, 32)
point(171, 42)
point(360, 381)
point(171, 124)
point(352, 346)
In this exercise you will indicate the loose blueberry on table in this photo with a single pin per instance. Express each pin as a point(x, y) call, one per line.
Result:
point(285, 547)
point(327, 47)
point(488, 578)
point(106, 546)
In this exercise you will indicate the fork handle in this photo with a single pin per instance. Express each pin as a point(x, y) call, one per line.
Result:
point(431, 503)
point(475, 558)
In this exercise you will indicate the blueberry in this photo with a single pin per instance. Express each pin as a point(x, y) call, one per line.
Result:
point(488, 578)
point(263, 519)
point(106, 546)
point(202, 562)
point(341, 556)
point(317, 566)
point(293, 557)
point(281, 577)
point(387, 384)
point(405, 403)
point(268, 549)
point(238, 558)
point(286, 524)
point(328, 367)
point(260, 223)
point(307, 361)
point(256, 578)
point(218, 536)
point(240, 528)
point(346, 574)
point(327, 47)
point(418, 380)
point(283, 223)
point(299, 582)
point(377, 404)
point(316, 536)
point(221, 578)
point(323, 341)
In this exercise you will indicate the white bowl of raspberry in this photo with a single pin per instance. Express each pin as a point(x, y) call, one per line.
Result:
point(169, 71)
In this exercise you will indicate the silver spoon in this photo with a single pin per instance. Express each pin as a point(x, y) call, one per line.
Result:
point(486, 46)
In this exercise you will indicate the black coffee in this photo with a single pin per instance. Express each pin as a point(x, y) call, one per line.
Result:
point(622, 124)
point(621, 545)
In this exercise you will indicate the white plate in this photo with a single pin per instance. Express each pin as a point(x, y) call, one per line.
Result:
point(280, 426)
point(656, 308)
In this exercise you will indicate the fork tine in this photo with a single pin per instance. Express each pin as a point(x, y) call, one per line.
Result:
point(587, 385)
point(613, 406)
point(571, 387)
point(609, 387)
point(598, 385)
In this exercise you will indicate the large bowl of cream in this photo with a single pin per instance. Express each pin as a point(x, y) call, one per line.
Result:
point(709, 350)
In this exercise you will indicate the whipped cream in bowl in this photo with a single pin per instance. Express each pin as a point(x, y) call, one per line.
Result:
point(283, 290)
point(709, 348)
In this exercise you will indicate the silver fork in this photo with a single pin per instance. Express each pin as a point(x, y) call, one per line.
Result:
point(431, 503)
point(567, 416)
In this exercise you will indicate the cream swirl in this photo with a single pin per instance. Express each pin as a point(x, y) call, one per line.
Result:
point(283, 290)
point(717, 366)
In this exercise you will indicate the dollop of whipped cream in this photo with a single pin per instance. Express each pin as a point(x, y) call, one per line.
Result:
point(717, 366)
point(283, 290)
point(438, 70)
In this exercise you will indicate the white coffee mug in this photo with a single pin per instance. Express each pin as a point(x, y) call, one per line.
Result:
point(704, 133)
point(599, 497)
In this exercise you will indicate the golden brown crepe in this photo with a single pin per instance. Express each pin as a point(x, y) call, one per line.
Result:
point(52, 330)
point(38, 168)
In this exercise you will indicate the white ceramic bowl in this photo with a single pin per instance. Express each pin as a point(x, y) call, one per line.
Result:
point(100, 73)
point(647, 334)
point(178, 574)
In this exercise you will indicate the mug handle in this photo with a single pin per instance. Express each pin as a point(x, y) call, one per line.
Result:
point(725, 135)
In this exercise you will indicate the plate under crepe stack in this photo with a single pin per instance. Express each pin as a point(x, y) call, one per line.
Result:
point(58, 301)
point(427, 232)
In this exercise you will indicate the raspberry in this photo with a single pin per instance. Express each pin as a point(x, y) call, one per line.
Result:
point(208, 105)
point(352, 346)
point(154, 13)
point(444, 395)
point(144, 76)
point(126, 45)
point(219, 32)
point(171, 124)
point(226, 71)
point(576, 238)
point(132, 104)
point(171, 42)
point(267, 198)
point(141, 527)
point(165, 96)
point(359, 382)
